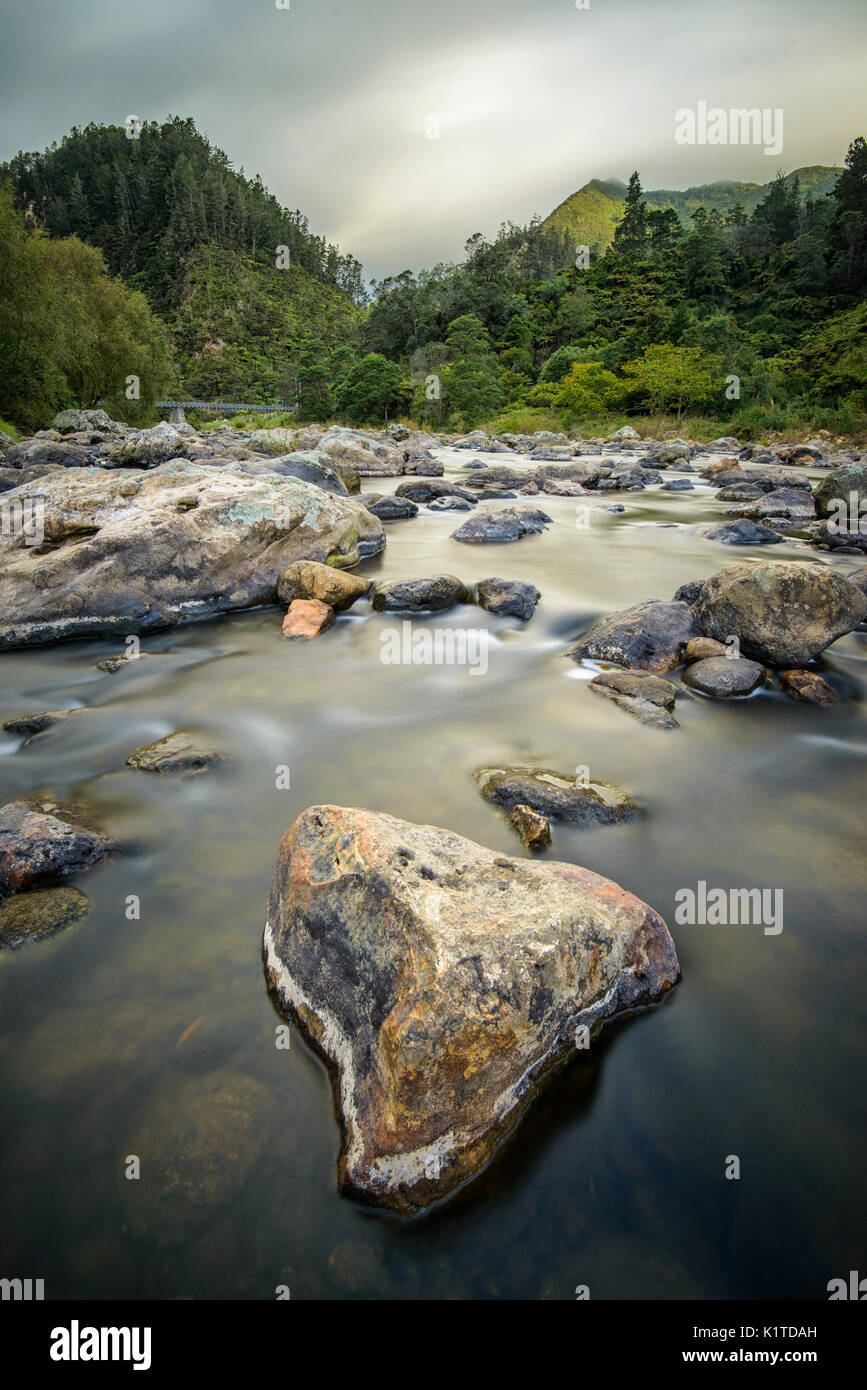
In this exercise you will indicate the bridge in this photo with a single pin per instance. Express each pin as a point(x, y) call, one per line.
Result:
point(224, 407)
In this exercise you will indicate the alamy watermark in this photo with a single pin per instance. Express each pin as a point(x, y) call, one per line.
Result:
point(440, 646)
point(23, 516)
point(737, 126)
point(730, 907)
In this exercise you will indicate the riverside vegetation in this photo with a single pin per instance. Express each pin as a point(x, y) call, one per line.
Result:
point(738, 307)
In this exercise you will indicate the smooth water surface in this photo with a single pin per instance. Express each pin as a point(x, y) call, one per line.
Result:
point(156, 1037)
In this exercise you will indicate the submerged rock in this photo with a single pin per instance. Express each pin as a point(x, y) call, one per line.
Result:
point(126, 552)
point(808, 687)
point(29, 725)
point(648, 698)
point(35, 916)
point(180, 754)
point(743, 532)
point(784, 613)
point(724, 677)
point(442, 982)
point(42, 840)
point(532, 827)
point(199, 1139)
point(433, 595)
point(650, 636)
point(511, 598)
point(555, 795)
point(499, 526)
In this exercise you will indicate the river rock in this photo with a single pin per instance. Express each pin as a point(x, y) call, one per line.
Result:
point(47, 453)
point(744, 532)
point(509, 598)
point(306, 579)
point(442, 982)
point(650, 636)
point(83, 421)
point(35, 916)
point(369, 457)
point(313, 467)
point(42, 840)
point(784, 613)
point(808, 687)
point(391, 508)
point(678, 485)
point(723, 676)
point(179, 754)
point(533, 829)
point(29, 725)
point(724, 465)
point(128, 552)
point(786, 501)
point(701, 648)
point(500, 526)
point(147, 448)
point(456, 504)
point(648, 698)
point(307, 617)
point(427, 490)
point(557, 796)
point(837, 487)
point(626, 432)
point(433, 595)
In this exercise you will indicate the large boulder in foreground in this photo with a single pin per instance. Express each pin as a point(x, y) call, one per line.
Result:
point(784, 613)
point(127, 551)
point(441, 982)
point(648, 637)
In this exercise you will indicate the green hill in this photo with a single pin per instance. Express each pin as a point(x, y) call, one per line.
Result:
point(176, 221)
point(589, 216)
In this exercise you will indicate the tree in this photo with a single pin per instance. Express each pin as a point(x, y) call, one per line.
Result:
point(630, 234)
point(472, 391)
point(587, 390)
point(70, 333)
point(673, 376)
point(371, 391)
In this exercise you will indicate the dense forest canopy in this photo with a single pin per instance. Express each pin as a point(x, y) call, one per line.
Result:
point(757, 314)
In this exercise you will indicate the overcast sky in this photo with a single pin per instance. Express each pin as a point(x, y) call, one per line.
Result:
point(331, 100)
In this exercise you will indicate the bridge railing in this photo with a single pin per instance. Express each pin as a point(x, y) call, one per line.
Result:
point(227, 407)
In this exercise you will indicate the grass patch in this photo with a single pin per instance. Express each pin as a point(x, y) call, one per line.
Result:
point(10, 430)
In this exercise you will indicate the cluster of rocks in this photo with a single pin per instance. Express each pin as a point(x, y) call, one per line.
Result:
point(315, 593)
point(728, 632)
point(773, 503)
point(41, 842)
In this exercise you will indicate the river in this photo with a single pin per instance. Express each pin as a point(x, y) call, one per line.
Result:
point(116, 1033)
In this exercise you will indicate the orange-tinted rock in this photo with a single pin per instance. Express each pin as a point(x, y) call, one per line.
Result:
point(808, 687)
point(307, 617)
point(442, 982)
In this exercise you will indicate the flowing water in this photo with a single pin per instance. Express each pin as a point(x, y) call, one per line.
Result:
point(155, 1037)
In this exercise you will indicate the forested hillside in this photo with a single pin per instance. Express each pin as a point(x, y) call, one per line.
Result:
point(759, 316)
point(754, 315)
point(201, 241)
point(591, 215)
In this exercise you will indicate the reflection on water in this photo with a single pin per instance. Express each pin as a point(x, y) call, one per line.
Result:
point(156, 1037)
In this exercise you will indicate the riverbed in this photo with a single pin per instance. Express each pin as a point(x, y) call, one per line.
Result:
point(147, 1031)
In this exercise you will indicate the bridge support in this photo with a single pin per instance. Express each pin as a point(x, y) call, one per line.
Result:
point(177, 416)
